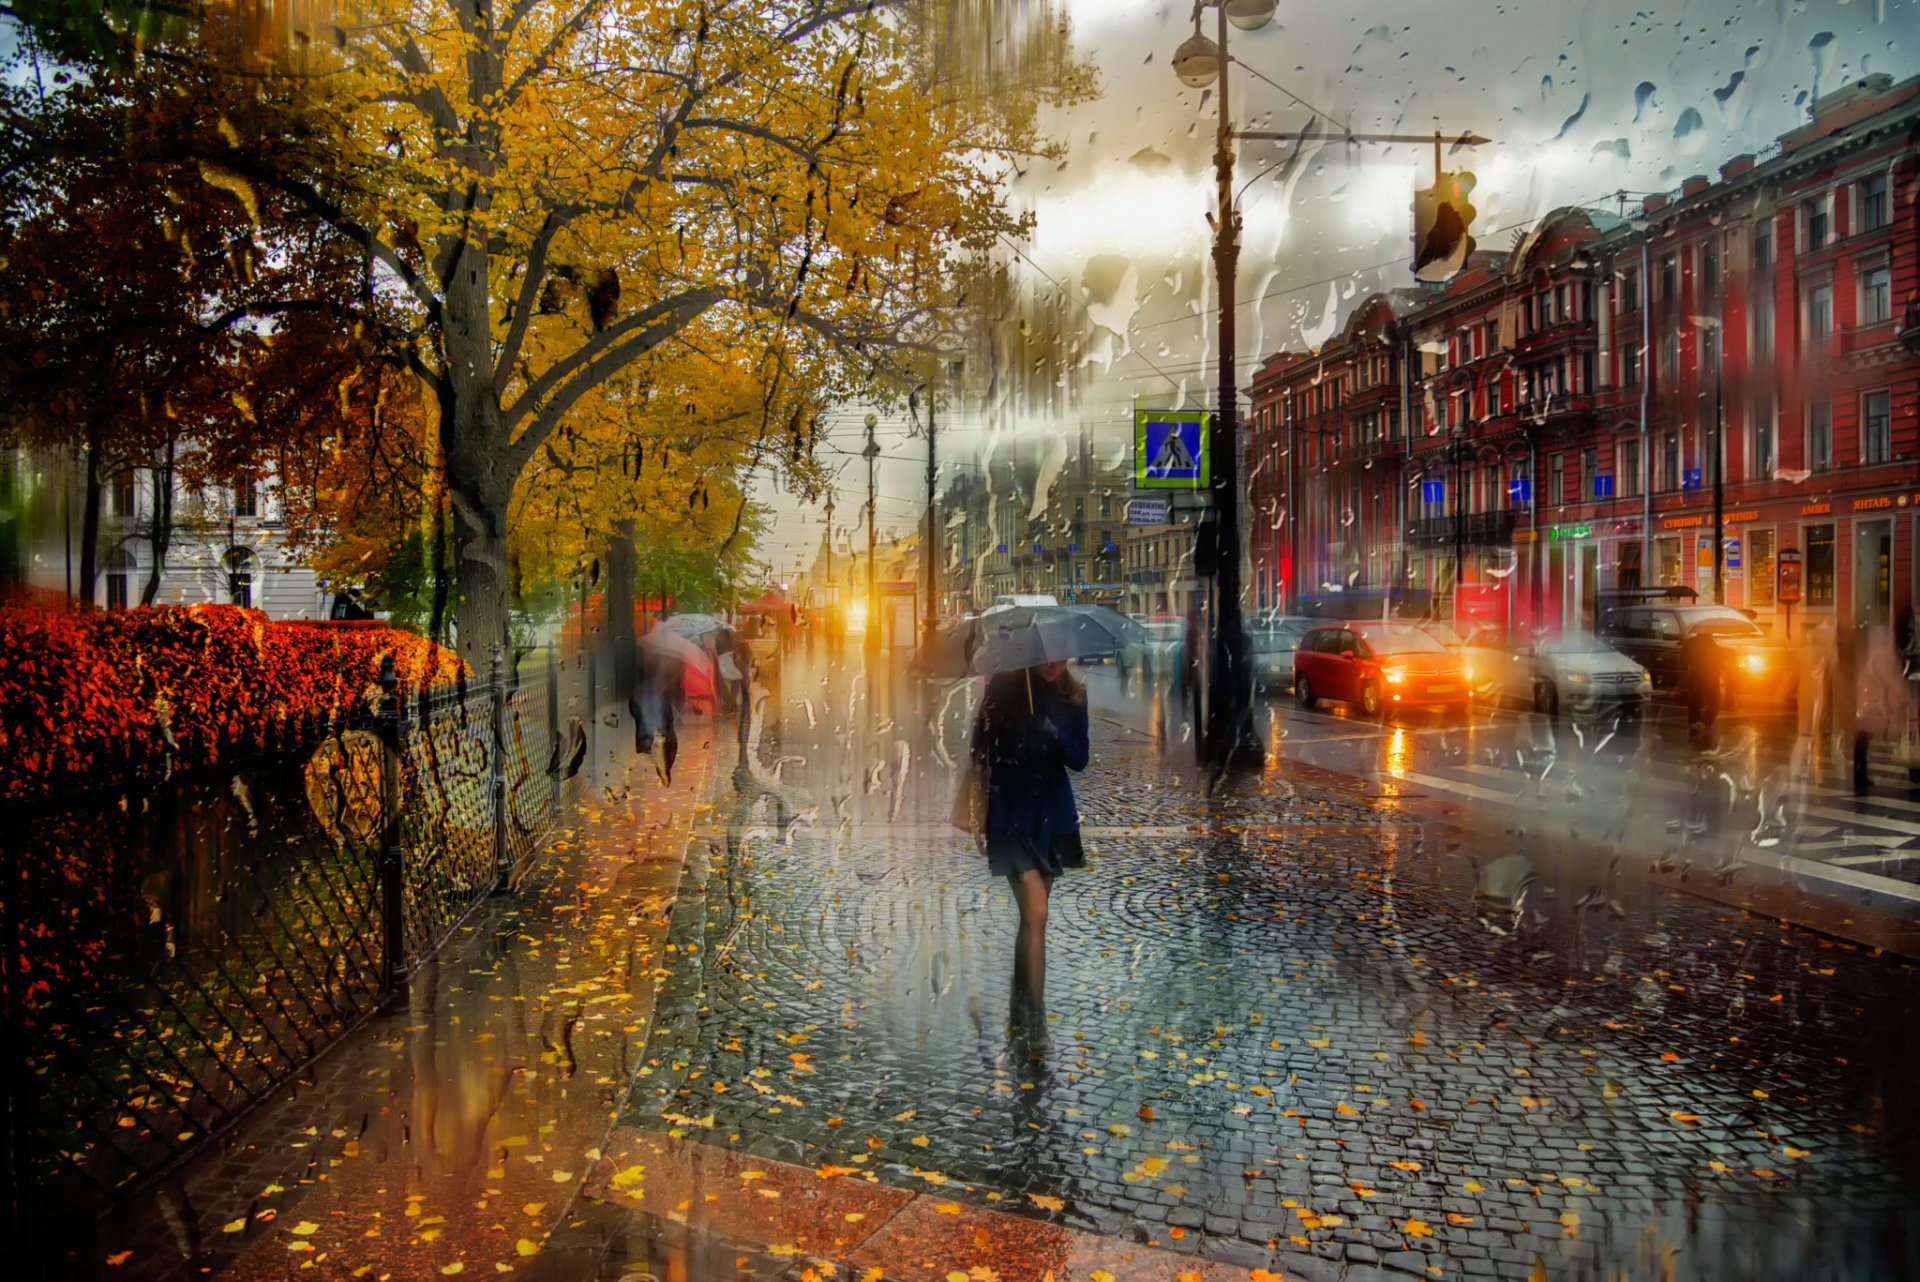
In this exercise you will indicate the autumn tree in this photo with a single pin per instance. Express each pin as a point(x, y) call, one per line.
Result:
point(154, 314)
point(556, 190)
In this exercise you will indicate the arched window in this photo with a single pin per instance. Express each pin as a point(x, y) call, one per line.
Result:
point(240, 576)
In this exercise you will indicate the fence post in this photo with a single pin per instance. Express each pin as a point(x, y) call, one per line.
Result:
point(501, 856)
point(553, 716)
point(392, 723)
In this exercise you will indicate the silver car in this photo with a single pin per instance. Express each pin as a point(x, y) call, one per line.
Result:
point(1271, 643)
point(1576, 671)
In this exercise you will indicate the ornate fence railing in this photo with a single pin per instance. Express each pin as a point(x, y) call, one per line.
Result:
point(176, 950)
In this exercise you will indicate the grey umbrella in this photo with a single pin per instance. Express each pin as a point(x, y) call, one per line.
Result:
point(695, 626)
point(1027, 636)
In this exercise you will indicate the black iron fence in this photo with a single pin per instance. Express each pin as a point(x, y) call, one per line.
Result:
point(175, 951)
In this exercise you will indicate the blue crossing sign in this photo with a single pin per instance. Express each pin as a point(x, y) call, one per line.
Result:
point(1171, 449)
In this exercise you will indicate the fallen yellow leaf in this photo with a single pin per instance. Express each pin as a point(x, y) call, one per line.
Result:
point(1045, 1202)
point(526, 1247)
point(947, 1208)
point(305, 1228)
point(1418, 1228)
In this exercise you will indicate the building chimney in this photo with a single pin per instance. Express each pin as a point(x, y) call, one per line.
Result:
point(1694, 185)
point(1738, 165)
point(1649, 204)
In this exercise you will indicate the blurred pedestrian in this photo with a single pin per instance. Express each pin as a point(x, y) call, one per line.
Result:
point(1031, 730)
point(1880, 699)
point(1702, 663)
point(655, 704)
point(1818, 659)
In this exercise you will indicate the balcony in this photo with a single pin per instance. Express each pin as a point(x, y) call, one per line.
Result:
point(1474, 530)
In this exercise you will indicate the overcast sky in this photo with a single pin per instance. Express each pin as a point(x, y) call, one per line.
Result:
point(1582, 100)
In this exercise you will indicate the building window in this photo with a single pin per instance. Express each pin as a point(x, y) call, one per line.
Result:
point(1710, 265)
point(240, 577)
point(1666, 552)
point(1819, 309)
point(1630, 291)
point(1709, 351)
point(1558, 466)
point(1670, 461)
point(246, 498)
point(1820, 566)
point(1493, 397)
point(1630, 365)
point(1669, 279)
point(1627, 451)
point(1589, 469)
point(1764, 455)
point(1876, 427)
point(1669, 371)
point(1876, 294)
point(1763, 328)
point(117, 495)
point(1816, 212)
point(1820, 436)
point(120, 566)
point(1760, 568)
point(1763, 244)
point(1873, 202)
point(1493, 335)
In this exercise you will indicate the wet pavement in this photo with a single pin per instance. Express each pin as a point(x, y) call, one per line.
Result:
point(1298, 1024)
point(452, 1132)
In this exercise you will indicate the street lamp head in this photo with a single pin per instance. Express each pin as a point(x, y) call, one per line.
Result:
point(1197, 62)
point(1249, 15)
point(873, 421)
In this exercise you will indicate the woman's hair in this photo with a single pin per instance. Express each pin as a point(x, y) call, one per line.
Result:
point(1072, 687)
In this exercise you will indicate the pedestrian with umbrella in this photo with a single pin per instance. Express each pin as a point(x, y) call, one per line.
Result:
point(1030, 731)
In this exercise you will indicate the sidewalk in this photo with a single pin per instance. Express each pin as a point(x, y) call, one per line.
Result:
point(450, 1134)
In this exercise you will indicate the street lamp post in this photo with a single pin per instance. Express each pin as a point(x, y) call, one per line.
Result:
point(1231, 738)
point(871, 453)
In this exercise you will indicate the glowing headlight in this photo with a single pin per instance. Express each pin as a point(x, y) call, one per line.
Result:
point(1755, 662)
point(1395, 676)
point(1577, 678)
point(1646, 678)
point(1466, 674)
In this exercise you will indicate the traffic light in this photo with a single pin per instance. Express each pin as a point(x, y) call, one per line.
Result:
point(1442, 215)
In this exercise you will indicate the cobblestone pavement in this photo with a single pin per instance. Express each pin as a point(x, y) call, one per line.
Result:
point(1294, 1028)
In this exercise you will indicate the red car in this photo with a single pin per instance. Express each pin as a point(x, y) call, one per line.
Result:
point(1378, 668)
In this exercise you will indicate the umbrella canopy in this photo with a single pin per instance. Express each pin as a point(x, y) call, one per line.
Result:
point(696, 667)
point(695, 626)
point(1030, 635)
point(772, 601)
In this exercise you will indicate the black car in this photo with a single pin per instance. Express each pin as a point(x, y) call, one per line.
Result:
point(1757, 669)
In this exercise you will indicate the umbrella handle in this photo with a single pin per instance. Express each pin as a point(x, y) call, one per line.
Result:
point(1029, 689)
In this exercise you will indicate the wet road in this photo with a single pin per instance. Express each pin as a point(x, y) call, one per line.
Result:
point(1296, 1024)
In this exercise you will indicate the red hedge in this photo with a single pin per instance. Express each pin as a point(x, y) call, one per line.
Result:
point(91, 697)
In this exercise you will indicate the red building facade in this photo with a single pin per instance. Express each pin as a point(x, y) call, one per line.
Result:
point(1544, 427)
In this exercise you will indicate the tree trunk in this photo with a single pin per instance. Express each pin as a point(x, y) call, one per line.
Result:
point(160, 526)
point(90, 516)
point(479, 479)
point(622, 571)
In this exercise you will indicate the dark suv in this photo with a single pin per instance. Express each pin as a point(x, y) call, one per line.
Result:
point(1758, 669)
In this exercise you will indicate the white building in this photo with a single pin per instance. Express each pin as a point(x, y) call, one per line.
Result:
point(228, 544)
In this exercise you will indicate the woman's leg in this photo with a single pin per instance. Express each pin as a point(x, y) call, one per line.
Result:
point(1030, 890)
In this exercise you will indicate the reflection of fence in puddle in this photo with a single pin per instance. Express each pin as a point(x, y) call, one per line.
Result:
point(181, 948)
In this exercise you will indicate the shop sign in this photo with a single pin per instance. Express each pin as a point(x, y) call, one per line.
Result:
point(1816, 509)
point(1682, 522)
point(1872, 505)
point(1567, 533)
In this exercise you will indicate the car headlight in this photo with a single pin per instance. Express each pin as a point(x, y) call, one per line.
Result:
point(1577, 678)
point(1466, 674)
point(1755, 663)
point(1646, 678)
point(1395, 676)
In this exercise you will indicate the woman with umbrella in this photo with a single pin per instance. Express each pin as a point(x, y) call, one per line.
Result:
point(1031, 730)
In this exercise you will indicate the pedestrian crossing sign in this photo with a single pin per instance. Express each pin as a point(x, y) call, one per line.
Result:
point(1171, 449)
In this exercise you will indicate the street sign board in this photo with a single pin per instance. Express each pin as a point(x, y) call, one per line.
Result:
point(1603, 486)
point(1730, 558)
point(1433, 491)
point(1690, 479)
point(1171, 449)
point(1520, 491)
point(1146, 511)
